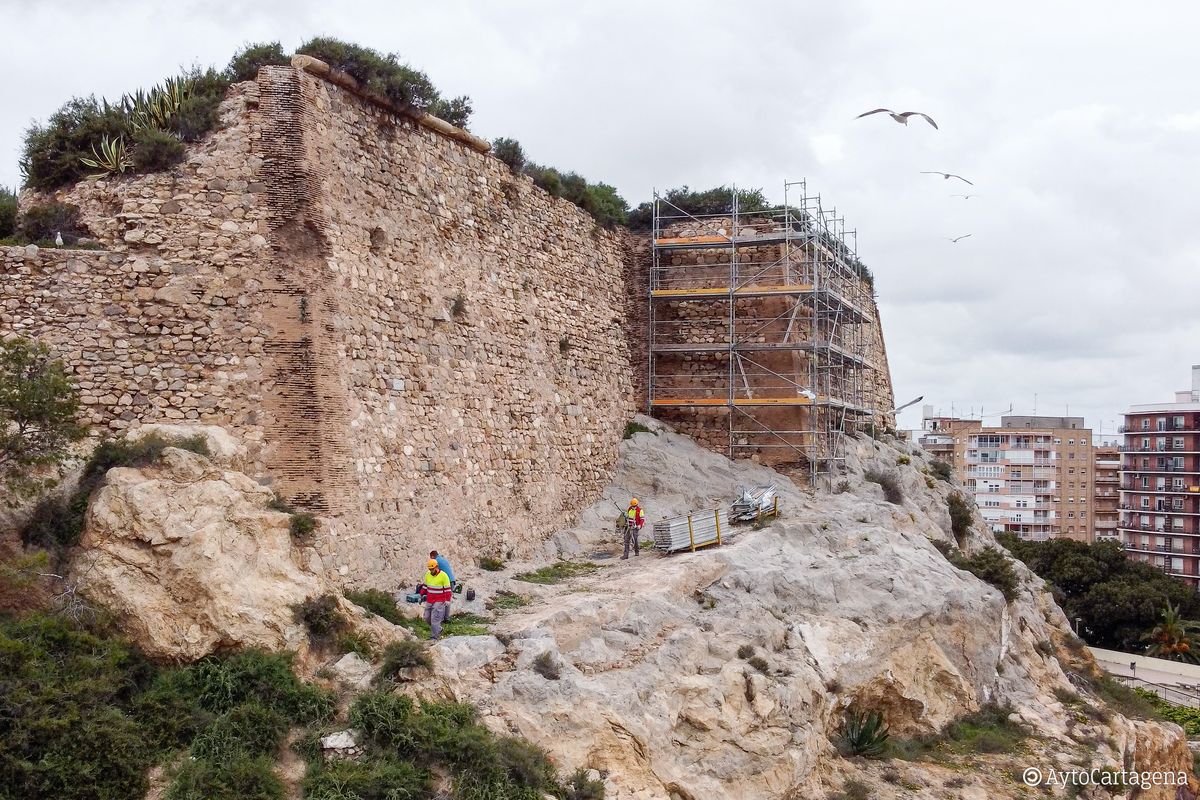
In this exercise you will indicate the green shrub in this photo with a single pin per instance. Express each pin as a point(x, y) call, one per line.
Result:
point(242, 778)
point(379, 779)
point(903, 461)
point(42, 223)
point(1183, 716)
point(598, 199)
point(321, 617)
point(557, 572)
point(842, 487)
point(397, 656)
point(889, 482)
point(580, 787)
point(52, 153)
point(376, 601)
point(250, 729)
point(199, 112)
point(759, 663)
point(302, 525)
point(1122, 699)
point(355, 642)
point(155, 150)
point(682, 201)
point(510, 152)
point(385, 74)
point(988, 730)
point(545, 665)
point(65, 694)
point(246, 62)
point(990, 565)
point(218, 685)
point(491, 564)
point(941, 470)
point(632, 428)
point(961, 516)
point(745, 651)
point(8, 212)
point(864, 733)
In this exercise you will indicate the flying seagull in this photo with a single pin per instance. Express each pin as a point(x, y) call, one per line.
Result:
point(956, 238)
point(947, 176)
point(965, 196)
point(901, 117)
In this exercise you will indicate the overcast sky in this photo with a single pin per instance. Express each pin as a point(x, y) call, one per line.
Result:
point(1078, 122)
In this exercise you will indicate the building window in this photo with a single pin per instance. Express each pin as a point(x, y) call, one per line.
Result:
point(1145, 502)
point(1145, 424)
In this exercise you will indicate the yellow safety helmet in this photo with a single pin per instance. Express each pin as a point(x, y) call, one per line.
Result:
point(433, 564)
point(633, 502)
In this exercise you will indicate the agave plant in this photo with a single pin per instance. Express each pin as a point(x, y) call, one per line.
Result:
point(157, 108)
point(111, 158)
point(865, 734)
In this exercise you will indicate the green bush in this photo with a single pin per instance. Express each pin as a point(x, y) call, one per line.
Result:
point(988, 730)
point(632, 428)
point(363, 644)
point(961, 516)
point(383, 778)
point(242, 778)
point(42, 223)
point(321, 618)
point(745, 651)
point(246, 62)
point(404, 654)
point(8, 212)
point(65, 694)
point(759, 663)
point(302, 525)
point(1183, 716)
point(52, 153)
point(889, 482)
point(903, 461)
point(991, 565)
point(250, 729)
point(218, 685)
point(681, 201)
point(510, 152)
point(385, 74)
point(155, 150)
point(941, 470)
point(505, 600)
point(491, 564)
point(598, 199)
point(580, 787)
point(376, 601)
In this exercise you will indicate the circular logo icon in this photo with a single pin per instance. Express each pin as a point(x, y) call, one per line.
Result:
point(1032, 776)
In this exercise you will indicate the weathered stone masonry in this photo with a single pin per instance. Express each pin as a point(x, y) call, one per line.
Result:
point(412, 339)
point(418, 342)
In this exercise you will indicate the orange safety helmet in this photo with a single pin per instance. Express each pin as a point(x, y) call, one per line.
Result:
point(432, 564)
point(633, 502)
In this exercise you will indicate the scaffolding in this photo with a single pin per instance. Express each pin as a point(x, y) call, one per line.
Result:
point(761, 316)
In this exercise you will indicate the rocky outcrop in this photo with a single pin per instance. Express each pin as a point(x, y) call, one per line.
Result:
point(846, 602)
point(191, 560)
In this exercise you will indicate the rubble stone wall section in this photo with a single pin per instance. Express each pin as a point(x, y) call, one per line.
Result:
point(413, 340)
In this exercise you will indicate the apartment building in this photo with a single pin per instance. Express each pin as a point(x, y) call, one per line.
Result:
point(1032, 476)
point(1106, 499)
point(1160, 483)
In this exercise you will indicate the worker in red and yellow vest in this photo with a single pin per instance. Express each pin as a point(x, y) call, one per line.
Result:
point(437, 591)
point(634, 520)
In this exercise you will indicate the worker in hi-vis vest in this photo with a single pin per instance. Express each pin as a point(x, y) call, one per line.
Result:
point(437, 591)
point(634, 520)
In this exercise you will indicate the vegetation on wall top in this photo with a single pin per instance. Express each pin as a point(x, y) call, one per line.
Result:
point(598, 199)
point(145, 131)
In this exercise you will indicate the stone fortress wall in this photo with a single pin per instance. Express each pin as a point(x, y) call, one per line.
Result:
point(414, 341)
point(410, 337)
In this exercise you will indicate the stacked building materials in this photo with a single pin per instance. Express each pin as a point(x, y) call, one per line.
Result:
point(698, 529)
